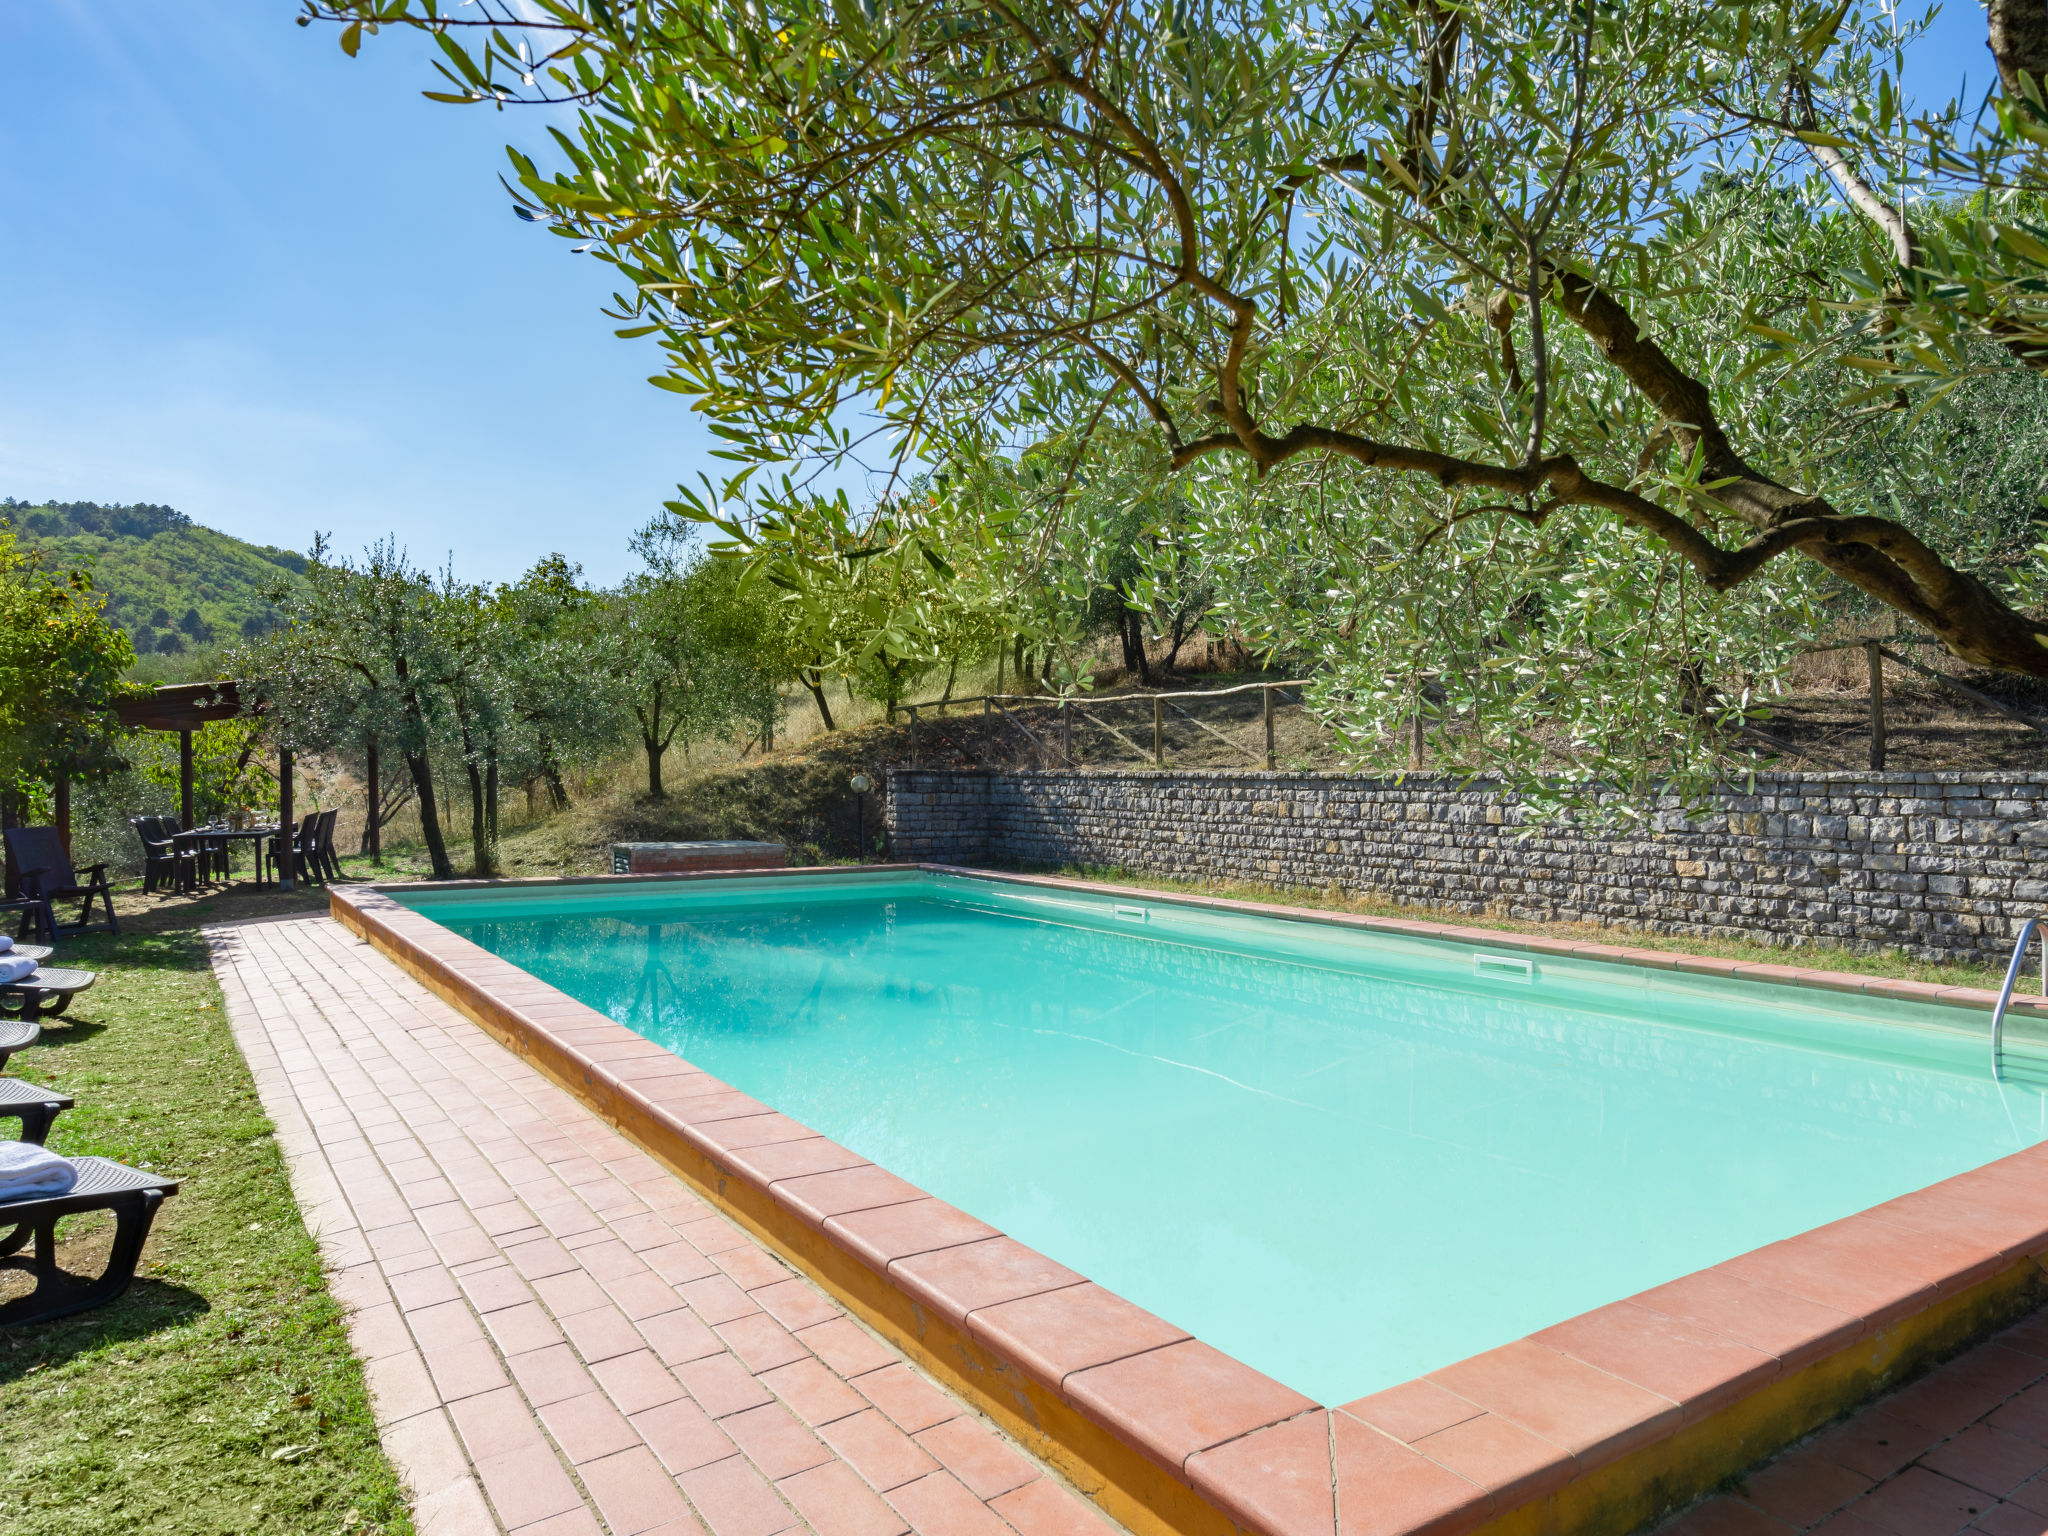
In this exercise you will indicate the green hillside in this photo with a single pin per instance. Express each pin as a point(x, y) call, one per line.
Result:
point(179, 590)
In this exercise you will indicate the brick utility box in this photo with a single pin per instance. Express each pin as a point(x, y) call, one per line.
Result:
point(693, 858)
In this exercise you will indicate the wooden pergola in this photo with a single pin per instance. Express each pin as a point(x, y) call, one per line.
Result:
point(184, 707)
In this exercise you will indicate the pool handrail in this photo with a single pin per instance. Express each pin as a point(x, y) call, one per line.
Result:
point(2012, 972)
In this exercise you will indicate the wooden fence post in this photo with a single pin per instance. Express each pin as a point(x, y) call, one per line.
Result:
point(1158, 731)
point(1871, 650)
point(1267, 695)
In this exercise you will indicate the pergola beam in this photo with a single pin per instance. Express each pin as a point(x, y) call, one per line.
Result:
point(184, 708)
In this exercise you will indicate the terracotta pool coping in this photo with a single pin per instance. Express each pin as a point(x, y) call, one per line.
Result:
point(1594, 1425)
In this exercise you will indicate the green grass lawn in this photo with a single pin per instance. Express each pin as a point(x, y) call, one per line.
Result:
point(219, 1394)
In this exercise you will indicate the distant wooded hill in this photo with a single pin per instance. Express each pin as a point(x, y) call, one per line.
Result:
point(174, 586)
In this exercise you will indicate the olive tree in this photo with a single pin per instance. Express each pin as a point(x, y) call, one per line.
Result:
point(1433, 301)
point(678, 651)
point(549, 624)
point(362, 654)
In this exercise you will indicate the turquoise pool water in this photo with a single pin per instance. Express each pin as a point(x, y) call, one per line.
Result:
point(1344, 1158)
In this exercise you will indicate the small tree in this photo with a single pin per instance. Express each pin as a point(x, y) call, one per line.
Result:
point(476, 638)
point(363, 652)
point(550, 625)
point(680, 647)
point(60, 672)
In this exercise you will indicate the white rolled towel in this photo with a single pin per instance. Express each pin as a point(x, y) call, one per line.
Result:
point(6, 943)
point(13, 968)
point(30, 1172)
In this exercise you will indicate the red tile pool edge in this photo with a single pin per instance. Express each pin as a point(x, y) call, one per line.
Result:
point(1594, 1425)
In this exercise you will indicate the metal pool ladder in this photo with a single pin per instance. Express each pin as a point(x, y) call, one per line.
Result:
point(2012, 974)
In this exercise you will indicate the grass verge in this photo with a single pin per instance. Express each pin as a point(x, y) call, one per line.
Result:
point(219, 1394)
point(1821, 957)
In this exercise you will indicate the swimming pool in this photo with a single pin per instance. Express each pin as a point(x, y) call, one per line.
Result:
point(1345, 1158)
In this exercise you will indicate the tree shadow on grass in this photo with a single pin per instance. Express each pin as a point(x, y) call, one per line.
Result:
point(178, 949)
point(147, 1307)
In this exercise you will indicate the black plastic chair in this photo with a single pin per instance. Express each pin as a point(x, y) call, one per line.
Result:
point(303, 842)
point(323, 852)
point(164, 863)
point(103, 1185)
point(47, 877)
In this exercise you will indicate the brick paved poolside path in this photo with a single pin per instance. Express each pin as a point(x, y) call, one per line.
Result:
point(1963, 1449)
point(561, 1339)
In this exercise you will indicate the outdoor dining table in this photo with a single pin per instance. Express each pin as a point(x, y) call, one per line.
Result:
point(229, 835)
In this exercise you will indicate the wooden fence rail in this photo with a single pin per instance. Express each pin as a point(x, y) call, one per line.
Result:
point(1069, 705)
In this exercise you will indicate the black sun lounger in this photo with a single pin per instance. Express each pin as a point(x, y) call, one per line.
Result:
point(37, 1108)
point(103, 1185)
point(34, 1106)
point(16, 1035)
point(43, 992)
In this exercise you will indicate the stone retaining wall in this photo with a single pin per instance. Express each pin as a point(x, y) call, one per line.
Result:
point(1944, 865)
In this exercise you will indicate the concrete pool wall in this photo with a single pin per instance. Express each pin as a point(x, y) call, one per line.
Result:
point(1597, 1424)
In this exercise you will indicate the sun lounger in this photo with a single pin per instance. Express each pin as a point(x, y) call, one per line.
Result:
point(15, 1035)
point(34, 1106)
point(44, 993)
point(103, 1185)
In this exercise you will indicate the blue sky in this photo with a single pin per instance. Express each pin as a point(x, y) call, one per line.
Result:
point(271, 286)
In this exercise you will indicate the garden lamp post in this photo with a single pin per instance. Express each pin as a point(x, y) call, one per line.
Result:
point(859, 786)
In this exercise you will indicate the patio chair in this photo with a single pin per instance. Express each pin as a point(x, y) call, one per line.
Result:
point(43, 993)
point(212, 851)
point(323, 853)
point(47, 877)
point(213, 858)
point(164, 863)
point(31, 914)
point(302, 842)
point(103, 1185)
point(208, 855)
